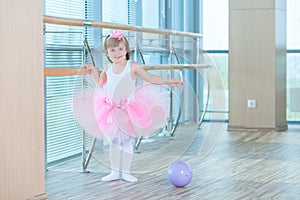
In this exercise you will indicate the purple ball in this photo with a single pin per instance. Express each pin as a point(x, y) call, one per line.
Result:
point(180, 174)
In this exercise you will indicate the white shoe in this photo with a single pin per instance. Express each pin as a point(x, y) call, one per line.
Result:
point(113, 176)
point(128, 177)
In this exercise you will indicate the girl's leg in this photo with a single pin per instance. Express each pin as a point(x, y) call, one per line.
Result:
point(114, 156)
point(127, 158)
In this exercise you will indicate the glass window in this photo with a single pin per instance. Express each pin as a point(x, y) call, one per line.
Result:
point(215, 43)
point(293, 24)
point(150, 14)
point(293, 81)
point(215, 24)
point(293, 56)
point(115, 11)
point(63, 49)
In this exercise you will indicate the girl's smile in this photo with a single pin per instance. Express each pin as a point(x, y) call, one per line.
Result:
point(117, 57)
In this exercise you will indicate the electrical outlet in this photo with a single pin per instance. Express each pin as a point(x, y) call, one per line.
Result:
point(251, 103)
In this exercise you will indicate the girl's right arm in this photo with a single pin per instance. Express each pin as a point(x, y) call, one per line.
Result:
point(102, 78)
point(99, 78)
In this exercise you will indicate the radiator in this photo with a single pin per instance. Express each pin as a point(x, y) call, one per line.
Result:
point(295, 99)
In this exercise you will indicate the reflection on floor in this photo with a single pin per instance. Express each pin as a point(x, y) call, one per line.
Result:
point(226, 165)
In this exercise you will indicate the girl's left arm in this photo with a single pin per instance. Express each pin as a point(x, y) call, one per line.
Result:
point(151, 78)
point(102, 79)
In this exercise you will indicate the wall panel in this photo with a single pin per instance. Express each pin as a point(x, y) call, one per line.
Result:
point(257, 65)
point(22, 102)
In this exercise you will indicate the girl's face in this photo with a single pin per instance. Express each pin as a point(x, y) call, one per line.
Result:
point(117, 54)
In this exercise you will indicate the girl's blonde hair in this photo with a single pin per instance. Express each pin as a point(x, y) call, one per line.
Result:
point(114, 42)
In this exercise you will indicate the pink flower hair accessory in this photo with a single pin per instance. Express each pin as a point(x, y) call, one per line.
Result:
point(117, 34)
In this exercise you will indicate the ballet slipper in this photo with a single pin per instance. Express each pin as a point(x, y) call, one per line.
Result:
point(126, 176)
point(113, 176)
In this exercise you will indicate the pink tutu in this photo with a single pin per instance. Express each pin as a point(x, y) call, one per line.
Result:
point(139, 115)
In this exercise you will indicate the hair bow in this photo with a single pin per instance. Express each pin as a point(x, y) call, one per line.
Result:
point(117, 34)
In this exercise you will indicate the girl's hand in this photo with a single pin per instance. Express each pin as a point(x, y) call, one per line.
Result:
point(176, 83)
point(88, 67)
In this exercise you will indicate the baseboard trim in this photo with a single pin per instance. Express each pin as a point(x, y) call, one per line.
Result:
point(39, 197)
point(244, 128)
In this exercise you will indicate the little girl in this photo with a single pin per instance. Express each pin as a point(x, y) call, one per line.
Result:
point(124, 111)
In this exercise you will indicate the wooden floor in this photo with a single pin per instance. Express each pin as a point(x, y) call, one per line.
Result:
point(226, 165)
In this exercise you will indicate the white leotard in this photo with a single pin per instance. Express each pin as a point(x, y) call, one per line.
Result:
point(120, 85)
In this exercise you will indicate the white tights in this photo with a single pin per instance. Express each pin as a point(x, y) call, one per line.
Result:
point(117, 151)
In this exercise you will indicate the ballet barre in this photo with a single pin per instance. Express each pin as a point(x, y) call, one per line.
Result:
point(75, 71)
point(98, 24)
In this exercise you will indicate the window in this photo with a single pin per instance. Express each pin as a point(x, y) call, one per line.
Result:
point(63, 49)
point(293, 24)
point(215, 43)
point(293, 54)
point(215, 24)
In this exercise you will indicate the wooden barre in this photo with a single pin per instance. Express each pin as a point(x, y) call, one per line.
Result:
point(97, 24)
point(75, 71)
point(175, 66)
point(64, 72)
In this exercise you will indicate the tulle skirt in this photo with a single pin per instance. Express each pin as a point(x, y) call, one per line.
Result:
point(141, 114)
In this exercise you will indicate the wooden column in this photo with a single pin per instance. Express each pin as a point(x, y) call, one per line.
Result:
point(257, 64)
point(22, 101)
